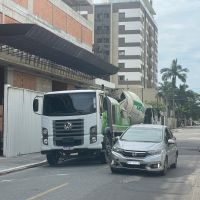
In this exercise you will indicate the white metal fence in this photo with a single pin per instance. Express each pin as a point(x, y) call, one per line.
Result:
point(22, 127)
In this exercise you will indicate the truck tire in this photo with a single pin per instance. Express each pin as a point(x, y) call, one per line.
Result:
point(52, 158)
point(108, 146)
point(102, 158)
point(114, 170)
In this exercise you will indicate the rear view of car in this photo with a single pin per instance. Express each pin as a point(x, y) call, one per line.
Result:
point(145, 147)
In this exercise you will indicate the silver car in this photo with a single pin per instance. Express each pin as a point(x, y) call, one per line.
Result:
point(146, 147)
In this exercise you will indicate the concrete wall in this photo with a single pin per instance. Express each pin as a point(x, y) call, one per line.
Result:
point(27, 80)
point(22, 127)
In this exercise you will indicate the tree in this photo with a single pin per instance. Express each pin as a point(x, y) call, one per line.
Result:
point(165, 92)
point(174, 72)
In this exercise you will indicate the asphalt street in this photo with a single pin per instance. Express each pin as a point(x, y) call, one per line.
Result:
point(90, 180)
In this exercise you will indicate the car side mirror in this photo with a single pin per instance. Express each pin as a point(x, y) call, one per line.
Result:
point(171, 141)
point(117, 138)
point(35, 105)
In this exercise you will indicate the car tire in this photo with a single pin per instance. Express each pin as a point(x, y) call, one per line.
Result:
point(174, 165)
point(164, 171)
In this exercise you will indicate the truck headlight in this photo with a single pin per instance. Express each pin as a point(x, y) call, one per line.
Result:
point(45, 136)
point(93, 134)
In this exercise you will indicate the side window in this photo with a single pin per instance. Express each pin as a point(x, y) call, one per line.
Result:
point(171, 134)
point(167, 135)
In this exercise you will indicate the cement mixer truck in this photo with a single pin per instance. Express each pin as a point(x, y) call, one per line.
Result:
point(78, 122)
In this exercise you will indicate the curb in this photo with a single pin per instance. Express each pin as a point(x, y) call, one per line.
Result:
point(22, 167)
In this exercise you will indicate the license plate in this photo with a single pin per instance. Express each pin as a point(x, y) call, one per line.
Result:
point(133, 162)
point(68, 148)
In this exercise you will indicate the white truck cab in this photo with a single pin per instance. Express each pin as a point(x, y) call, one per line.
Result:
point(71, 122)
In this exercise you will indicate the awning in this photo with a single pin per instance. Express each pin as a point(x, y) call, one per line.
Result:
point(38, 41)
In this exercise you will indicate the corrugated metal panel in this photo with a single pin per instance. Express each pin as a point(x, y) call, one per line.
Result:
point(22, 127)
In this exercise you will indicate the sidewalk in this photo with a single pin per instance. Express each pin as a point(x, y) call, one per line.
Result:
point(9, 165)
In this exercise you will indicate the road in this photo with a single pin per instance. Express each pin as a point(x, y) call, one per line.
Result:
point(89, 180)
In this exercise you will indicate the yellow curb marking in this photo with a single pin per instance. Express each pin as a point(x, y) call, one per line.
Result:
point(46, 192)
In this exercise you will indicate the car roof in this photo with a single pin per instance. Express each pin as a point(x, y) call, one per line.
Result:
point(152, 126)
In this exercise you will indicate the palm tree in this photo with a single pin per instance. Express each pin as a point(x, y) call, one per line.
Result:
point(165, 90)
point(174, 72)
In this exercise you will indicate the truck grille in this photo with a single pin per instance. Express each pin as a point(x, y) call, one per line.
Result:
point(134, 154)
point(68, 132)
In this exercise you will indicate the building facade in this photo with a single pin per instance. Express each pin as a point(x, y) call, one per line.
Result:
point(125, 33)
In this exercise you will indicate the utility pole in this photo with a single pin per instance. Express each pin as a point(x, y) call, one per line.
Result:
point(127, 83)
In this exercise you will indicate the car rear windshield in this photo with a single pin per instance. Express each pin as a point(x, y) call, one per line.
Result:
point(143, 135)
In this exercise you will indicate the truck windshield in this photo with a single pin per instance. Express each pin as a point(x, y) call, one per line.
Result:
point(69, 104)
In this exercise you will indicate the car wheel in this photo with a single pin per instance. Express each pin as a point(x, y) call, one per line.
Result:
point(164, 171)
point(174, 165)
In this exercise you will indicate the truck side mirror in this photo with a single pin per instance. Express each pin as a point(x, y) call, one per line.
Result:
point(35, 105)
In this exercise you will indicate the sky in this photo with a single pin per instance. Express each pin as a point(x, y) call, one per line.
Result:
point(179, 36)
point(178, 24)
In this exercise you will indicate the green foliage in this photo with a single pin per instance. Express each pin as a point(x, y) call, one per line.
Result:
point(187, 102)
point(156, 104)
point(174, 72)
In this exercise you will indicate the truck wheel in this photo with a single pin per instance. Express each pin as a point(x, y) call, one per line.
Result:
point(102, 158)
point(52, 158)
point(108, 150)
point(114, 170)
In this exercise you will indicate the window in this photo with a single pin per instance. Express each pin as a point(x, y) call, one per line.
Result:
point(69, 104)
point(121, 15)
point(107, 53)
point(106, 15)
point(121, 52)
point(99, 40)
point(106, 27)
point(121, 65)
point(122, 78)
point(99, 16)
point(99, 28)
point(143, 135)
point(113, 115)
point(106, 40)
point(168, 135)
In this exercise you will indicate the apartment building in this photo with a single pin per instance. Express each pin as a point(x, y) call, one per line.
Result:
point(125, 33)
